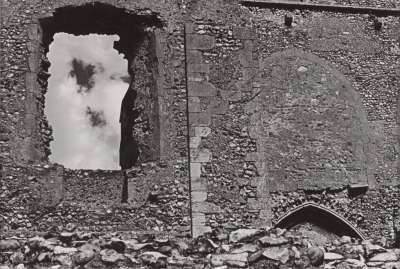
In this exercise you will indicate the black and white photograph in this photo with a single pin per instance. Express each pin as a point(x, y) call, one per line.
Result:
point(199, 134)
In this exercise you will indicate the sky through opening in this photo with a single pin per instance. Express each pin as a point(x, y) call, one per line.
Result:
point(87, 83)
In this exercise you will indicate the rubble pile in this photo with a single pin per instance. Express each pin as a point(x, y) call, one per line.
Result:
point(242, 248)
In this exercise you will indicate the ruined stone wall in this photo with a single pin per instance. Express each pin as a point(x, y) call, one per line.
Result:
point(266, 116)
point(281, 116)
point(37, 194)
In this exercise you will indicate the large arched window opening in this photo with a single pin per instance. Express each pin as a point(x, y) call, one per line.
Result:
point(139, 127)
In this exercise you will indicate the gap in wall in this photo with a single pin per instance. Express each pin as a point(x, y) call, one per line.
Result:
point(88, 79)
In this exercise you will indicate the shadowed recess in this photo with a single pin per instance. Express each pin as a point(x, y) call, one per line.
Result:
point(100, 18)
point(319, 216)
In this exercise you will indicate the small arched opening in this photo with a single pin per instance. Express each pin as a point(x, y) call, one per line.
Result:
point(321, 217)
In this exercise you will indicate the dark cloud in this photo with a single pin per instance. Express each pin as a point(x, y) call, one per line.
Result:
point(97, 118)
point(84, 74)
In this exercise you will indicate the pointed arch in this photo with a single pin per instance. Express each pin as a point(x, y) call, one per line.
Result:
point(321, 216)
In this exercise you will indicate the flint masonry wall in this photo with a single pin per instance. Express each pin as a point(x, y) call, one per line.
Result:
point(280, 116)
point(37, 194)
point(260, 103)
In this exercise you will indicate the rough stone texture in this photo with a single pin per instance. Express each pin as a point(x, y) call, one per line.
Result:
point(249, 118)
point(310, 128)
point(363, 3)
point(127, 250)
point(282, 130)
point(37, 194)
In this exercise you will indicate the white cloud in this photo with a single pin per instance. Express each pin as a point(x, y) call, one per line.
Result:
point(77, 143)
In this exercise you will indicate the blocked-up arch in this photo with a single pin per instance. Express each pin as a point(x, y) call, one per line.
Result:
point(321, 216)
point(310, 125)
